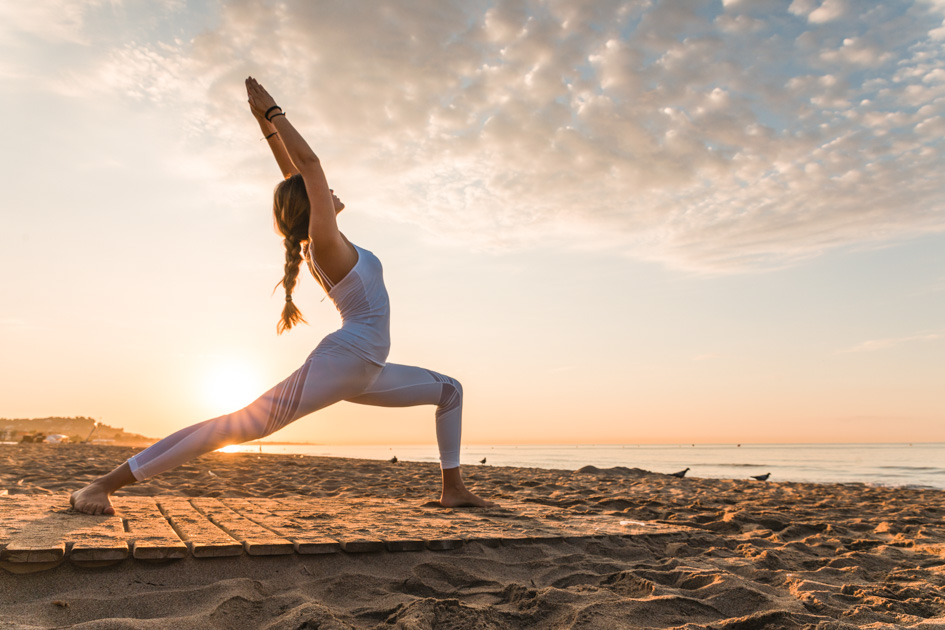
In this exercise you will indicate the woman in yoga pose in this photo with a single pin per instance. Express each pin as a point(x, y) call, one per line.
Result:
point(349, 364)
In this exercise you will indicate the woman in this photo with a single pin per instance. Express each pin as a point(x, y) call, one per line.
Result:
point(349, 364)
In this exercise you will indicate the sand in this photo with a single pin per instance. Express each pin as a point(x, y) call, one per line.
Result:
point(747, 555)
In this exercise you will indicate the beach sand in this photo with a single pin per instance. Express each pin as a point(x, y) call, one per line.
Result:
point(747, 555)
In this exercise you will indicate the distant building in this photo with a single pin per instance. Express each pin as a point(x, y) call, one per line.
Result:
point(57, 438)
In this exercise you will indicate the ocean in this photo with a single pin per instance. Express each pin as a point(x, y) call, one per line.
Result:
point(919, 465)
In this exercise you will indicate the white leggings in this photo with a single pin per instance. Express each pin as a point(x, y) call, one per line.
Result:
point(331, 374)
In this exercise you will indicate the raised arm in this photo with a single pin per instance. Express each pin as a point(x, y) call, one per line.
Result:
point(275, 144)
point(323, 228)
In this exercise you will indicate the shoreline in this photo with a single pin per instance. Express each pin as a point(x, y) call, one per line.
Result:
point(693, 473)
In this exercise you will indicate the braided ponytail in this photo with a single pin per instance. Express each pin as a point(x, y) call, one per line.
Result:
point(290, 209)
point(291, 315)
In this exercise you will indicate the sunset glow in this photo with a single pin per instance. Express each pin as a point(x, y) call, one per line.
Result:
point(231, 385)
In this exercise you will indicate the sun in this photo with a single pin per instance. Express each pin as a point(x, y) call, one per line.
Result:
point(231, 384)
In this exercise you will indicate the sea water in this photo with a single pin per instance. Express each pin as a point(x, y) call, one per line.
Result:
point(912, 465)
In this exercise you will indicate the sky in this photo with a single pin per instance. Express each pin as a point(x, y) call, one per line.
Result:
point(614, 222)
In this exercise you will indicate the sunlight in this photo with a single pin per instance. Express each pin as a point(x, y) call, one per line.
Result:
point(230, 384)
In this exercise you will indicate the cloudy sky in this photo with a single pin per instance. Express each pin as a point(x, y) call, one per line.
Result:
point(637, 221)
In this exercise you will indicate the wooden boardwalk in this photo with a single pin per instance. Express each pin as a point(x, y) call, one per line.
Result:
point(39, 532)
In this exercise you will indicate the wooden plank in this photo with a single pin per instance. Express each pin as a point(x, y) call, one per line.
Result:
point(407, 527)
point(307, 546)
point(291, 524)
point(19, 552)
point(474, 526)
point(83, 536)
point(150, 535)
point(362, 545)
point(399, 525)
point(18, 511)
point(334, 520)
point(203, 538)
point(37, 529)
point(411, 523)
point(101, 541)
point(256, 539)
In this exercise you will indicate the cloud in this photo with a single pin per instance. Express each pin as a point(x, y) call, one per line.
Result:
point(882, 344)
point(936, 5)
point(856, 52)
point(48, 20)
point(819, 13)
point(828, 11)
point(709, 137)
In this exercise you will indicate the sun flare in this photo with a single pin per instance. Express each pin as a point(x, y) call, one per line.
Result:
point(230, 385)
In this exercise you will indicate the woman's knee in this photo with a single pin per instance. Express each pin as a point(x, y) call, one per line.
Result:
point(452, 393)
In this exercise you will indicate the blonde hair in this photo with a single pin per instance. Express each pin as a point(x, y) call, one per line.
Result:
point(290, 209)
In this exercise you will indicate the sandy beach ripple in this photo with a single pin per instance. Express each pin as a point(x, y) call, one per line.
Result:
point(755, 555)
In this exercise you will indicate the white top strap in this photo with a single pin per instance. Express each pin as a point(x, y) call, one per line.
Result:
point(317, 271)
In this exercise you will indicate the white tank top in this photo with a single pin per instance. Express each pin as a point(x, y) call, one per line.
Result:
point(362, 300)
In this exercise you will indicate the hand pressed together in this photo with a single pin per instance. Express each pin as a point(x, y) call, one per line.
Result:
point(260, 101)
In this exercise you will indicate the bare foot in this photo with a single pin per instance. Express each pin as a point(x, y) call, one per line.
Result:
point(92, 499)
point(462, 498)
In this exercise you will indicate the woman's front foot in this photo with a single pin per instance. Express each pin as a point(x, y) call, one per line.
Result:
point(92, 499)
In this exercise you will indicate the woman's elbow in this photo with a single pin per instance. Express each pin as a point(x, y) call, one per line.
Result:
point(307, 159)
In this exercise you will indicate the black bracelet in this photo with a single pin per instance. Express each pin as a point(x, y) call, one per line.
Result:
point(271, 135)
point(266, 115)
point(274, 115)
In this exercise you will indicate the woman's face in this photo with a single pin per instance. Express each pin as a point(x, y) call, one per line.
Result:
point(339, 204)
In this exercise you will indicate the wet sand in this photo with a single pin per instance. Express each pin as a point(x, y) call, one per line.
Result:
point(750, 555)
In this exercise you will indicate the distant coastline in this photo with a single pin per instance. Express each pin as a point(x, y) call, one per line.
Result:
point(85, 430)
point(79, 429)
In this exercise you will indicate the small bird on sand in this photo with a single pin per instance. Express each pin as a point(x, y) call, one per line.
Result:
point(763, 477)
point(393, 460)
point(680, 474)
point(482, 461)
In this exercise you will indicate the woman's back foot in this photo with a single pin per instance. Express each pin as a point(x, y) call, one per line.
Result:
point(463, 498)
point(92, 499)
